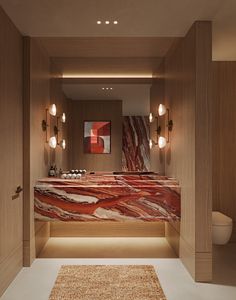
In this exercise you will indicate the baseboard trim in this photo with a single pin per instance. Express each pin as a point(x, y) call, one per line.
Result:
point(29, 252)
point(199, 264)
point(203, 269)
point(187, 256)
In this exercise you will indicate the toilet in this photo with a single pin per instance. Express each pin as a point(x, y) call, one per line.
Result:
point(222, 226)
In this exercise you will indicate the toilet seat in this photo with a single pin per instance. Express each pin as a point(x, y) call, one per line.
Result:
point(222, 226)
point(219, 219)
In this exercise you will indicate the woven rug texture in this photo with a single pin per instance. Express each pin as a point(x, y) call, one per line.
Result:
point(103, 282)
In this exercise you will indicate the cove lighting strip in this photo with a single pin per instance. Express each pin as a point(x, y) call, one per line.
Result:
point(107, 76)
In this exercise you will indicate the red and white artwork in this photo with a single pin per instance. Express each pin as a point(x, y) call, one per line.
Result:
point(135, 144)
point(97, 137)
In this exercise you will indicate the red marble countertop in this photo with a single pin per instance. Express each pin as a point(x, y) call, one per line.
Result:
point(106, 196)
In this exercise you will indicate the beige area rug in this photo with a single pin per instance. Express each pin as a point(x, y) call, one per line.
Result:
point(107, 283)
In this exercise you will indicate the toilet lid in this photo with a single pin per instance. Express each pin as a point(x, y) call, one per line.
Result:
point(220, 219)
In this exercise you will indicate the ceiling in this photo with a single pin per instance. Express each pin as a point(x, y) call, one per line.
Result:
point(137, 18)
point(146, 29)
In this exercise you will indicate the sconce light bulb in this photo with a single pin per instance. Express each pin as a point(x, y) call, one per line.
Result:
point(150, 117)
point(161, 110)
point(63, 118)
point(161, 142)
point(53, 109)
point(150, 143)
point(53, 142)
point(63, 144)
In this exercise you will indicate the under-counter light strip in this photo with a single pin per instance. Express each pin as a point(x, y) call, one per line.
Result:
point(106, 76)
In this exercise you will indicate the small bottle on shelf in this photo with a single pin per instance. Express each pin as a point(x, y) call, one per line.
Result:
point(51, 172)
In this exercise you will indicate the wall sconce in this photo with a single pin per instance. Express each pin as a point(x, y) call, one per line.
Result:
point(63, 118)
point(161, 140)
point(62, 143)
point(52, 110)
point(53, 141)
point(151, 118)
point(161, 110)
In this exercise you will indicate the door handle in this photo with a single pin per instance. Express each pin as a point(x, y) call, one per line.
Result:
point(19, 189)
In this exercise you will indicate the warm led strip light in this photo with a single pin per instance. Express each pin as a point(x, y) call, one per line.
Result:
point(106, 76)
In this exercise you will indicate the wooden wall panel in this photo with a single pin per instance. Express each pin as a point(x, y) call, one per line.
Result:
point(96, 110)
point(224, 139)
point(11, 152)
point(37, 152)
point(180, 152)
point(188, 156)
point(41, 87)
point(203, 139)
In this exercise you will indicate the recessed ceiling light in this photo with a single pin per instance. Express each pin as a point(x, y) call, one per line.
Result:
point(107, 88)
point(99, 22)
point(107, 22)
point(115, 22)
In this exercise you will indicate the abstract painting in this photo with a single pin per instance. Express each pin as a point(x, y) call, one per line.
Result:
point(97, 137)
point(135, 144)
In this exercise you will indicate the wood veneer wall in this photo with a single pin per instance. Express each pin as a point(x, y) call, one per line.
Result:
point(157, 96)
point(41, 87)
point(224, 140)
point(188, 156)
point(96, 110)
point(36, 151)
point(11, 151)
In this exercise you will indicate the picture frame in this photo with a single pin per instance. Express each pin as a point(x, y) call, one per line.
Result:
point(97, 136)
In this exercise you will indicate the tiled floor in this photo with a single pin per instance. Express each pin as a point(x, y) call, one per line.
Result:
point(36, 282)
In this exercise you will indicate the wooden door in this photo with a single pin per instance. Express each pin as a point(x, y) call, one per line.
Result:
point(11, 161)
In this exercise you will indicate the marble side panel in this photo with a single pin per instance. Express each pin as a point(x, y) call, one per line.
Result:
point(135, 144)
